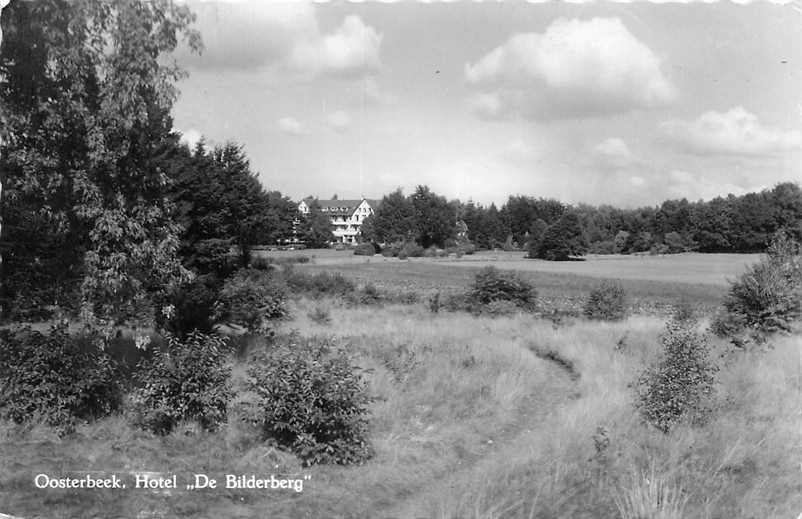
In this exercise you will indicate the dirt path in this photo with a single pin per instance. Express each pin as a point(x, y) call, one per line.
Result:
point(533, 410)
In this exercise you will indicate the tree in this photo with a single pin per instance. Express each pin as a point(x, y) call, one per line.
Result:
point(674, 242)
point(281, 213)
point(536, 233)
point(563, 239)
point(435, 218)
point(86, 93)
point(317, 228)
point(221, 204)
point(393, 221)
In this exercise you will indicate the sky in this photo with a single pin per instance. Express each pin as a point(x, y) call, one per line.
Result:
point(604, 103)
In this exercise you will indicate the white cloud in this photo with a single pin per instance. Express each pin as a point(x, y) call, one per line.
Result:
point(290, 126)
point(190, 137)
point(351, 50)
point(250, 34)
point(614, 152)
point(575, 68)
point(683, 184)
point(339, 121)
point(735, 132)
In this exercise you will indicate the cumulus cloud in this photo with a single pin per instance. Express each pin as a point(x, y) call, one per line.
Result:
point(351, 50)
point(251, 33)
point(683, 184)
point(339, 120)
point(613, 152)
point(735, 132)
point(576, 68)
point(290, 126)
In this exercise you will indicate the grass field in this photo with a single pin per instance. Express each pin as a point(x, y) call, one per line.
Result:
point(689, 268)
point(653, 283)
point(469, 420)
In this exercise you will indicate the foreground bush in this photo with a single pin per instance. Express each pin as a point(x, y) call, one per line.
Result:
point(492, 285)
point(312, 400)
point(767, 298)
point(188, 380)
point(607, 302)
point(55, 377)
point(681, 385)
point(252, 298)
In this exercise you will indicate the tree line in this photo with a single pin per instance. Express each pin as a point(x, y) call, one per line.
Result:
point(550, 229)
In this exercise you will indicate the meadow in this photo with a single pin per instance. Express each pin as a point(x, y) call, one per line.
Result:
point(473, 417)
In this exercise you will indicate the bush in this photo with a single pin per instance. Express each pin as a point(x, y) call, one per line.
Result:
point(192, 306)
point(680, 386)
point(607, 302)
point(491, 284)
point(55, 377)
point(312, 400)
point(186, 380)
point(320, 315)
point(410, 250)
point(364, 249)
point(767, 298)
point(251, 298)
point(320, 284)
point(602, 247)
point(368, 295)
point(467, 248)
point(289, 260)
point(392, 250)
point(260, 263)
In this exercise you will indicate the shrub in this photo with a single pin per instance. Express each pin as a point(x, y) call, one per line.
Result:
point(251, 298)
point(289, 260)
point(679, 386)
point(434, 303)
point(467, 248)
point(320, 284)
point(55, 377)
point(491, 284)
point(188, 380)
point(607, 302)
point(602, 247)
point(192, 306)
point(392, 250)
point(684, 311)
point(260, 263)
point(368, 295)
point(312, 400)
point(365, 249)
point(411, 250)
point(767, 298)
point(320, 315)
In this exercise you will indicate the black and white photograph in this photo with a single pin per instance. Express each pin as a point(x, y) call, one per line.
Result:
point(268, 259)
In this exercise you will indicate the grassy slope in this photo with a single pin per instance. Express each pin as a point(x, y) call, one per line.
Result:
point(467, 423)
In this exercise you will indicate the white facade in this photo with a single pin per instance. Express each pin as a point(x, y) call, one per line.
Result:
point(346, 216)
